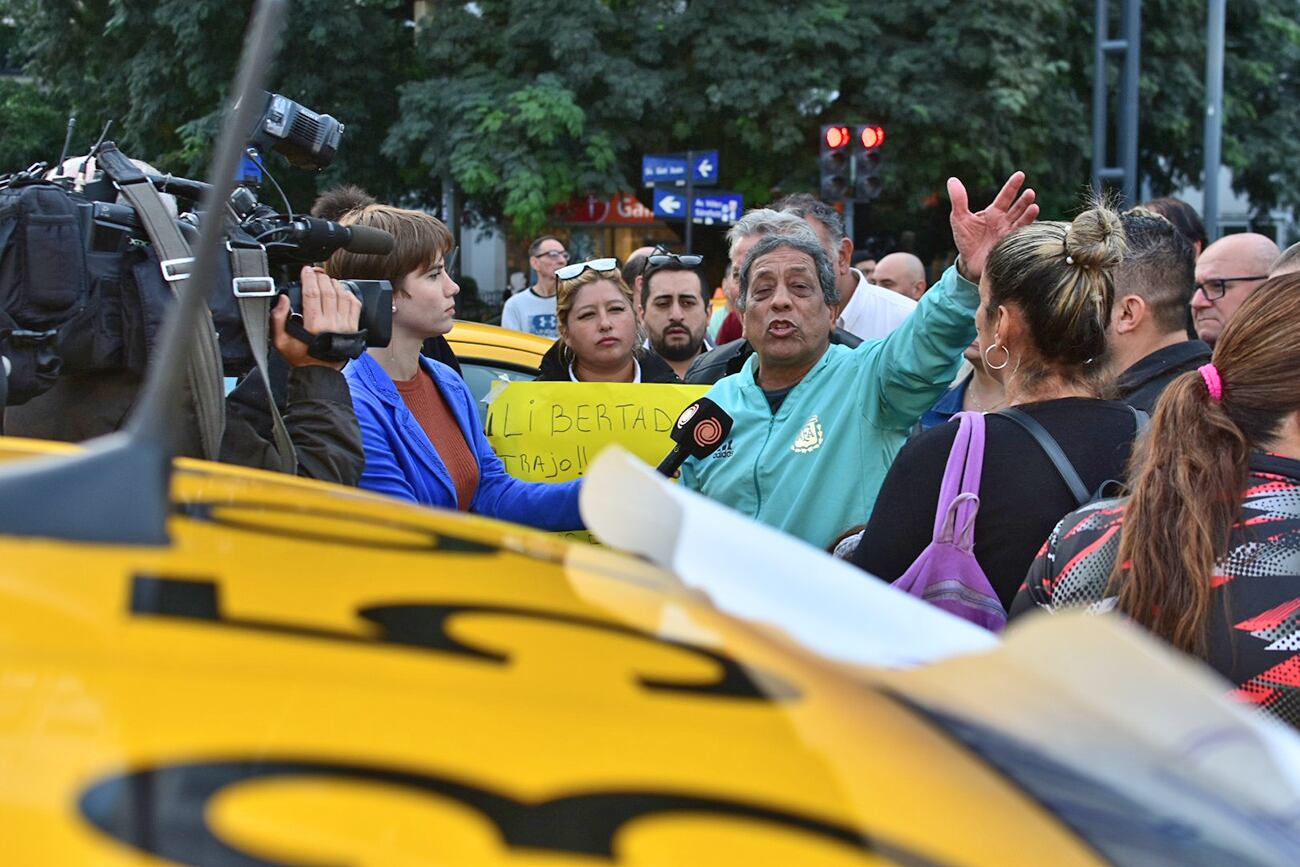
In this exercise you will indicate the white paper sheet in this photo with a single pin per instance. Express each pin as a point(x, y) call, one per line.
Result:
point(758, 573)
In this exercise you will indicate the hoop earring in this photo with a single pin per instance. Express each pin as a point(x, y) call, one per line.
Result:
point(990, 365)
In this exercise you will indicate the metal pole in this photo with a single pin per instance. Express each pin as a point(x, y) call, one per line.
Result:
point(1100, 34)
point(1128, 125)
point(1213, 114)
point(450, 212)
point(690, 197)
point(848, 220)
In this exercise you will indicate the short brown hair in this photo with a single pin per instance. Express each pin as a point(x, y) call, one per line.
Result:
point(418, 240)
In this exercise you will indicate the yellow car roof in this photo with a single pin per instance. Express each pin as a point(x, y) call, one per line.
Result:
point(308, 674)
point(474, 340)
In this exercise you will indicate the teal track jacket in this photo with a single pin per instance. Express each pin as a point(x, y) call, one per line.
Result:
point(814, 468)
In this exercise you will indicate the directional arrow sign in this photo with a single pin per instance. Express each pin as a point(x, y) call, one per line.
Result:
point(666, 169)
point(669, 205)
point(717, 208)
point(706, 167)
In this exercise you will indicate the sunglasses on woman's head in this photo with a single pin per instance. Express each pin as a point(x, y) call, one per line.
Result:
point(602, 266)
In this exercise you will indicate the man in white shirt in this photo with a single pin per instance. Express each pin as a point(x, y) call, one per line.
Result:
point(533, 310)
point(867, 311)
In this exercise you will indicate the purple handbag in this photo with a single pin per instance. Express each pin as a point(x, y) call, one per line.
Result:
point(946, 574)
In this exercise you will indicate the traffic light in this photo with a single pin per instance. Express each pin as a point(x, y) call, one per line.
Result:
point(867, 156)
point(835, 165)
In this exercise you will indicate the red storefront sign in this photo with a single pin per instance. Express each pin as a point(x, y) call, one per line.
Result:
point(621, 209)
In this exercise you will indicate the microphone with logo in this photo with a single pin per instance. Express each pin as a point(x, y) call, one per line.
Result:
point(698, 432)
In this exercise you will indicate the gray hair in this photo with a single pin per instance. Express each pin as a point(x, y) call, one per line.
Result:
point(804, 240)
point(761, 221)
point(805, 205)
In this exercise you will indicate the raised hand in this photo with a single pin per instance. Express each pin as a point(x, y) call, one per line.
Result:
point(976, 234)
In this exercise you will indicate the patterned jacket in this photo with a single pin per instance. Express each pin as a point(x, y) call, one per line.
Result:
point(1254, 622)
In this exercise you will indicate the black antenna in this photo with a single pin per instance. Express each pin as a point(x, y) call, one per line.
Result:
point(67, 141)
point(103, 135)
point(118, 490)
point(95, 147)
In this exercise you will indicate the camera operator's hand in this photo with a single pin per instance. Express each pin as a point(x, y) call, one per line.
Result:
point(326, 306)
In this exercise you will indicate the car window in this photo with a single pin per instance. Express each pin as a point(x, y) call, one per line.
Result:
point(479, 376)
point(1125, 832)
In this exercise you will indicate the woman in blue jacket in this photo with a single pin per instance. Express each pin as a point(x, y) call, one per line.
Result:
point(418, 422)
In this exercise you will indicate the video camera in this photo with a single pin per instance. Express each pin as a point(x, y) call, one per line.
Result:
point(84, 287)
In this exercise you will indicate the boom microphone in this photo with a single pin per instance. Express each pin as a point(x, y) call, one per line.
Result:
point(699, 430)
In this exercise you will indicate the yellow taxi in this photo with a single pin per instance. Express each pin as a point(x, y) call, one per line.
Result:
point(305, 674)
point(489, 353)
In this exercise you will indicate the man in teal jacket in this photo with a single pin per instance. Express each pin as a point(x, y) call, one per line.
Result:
point(817, 426)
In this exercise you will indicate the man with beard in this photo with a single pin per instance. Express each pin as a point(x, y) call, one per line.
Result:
point(675, 306)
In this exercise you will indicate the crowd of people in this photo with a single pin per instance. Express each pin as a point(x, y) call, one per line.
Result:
point(1102, 413)
point(1136, 387)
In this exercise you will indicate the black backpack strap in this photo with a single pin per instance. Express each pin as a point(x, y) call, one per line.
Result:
point(1053, 451)
point(254, 293)
point(203, 363)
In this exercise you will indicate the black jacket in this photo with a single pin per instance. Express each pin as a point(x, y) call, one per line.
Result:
point(653, 368)
point(316, 404)
point(1142, 384)
point(730, 357)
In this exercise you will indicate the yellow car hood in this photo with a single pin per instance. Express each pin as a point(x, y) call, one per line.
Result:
point(313, 675)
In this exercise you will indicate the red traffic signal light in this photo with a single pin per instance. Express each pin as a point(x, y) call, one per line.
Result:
point(872, 136)
point(836, 137)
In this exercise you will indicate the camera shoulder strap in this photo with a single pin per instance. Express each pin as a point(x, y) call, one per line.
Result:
point(254, 291)
point(203, 363)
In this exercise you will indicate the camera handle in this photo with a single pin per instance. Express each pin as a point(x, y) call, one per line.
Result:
point(328, 345)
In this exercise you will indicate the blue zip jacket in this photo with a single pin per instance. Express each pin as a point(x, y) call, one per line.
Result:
point(813, 468)
point(401, 462)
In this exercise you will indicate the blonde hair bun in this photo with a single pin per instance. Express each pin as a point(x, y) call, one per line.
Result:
point(1095, 239)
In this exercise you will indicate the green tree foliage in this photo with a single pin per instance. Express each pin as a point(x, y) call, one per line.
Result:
point(32, 125)
point(525, 104)
point(161, 69)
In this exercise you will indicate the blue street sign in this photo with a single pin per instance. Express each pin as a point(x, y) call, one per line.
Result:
point(717, 208)
point(705, 166)
point(672, 168)
point(670, 204)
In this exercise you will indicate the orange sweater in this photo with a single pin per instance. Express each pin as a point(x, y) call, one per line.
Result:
point(426, 403)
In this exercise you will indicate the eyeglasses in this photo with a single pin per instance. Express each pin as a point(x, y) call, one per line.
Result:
point(661, 260)
point(561, 255)
point(603, 266)
point(1215, 288)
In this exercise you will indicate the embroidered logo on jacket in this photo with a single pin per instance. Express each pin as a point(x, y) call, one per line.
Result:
point(724, 451)
point(810, 437)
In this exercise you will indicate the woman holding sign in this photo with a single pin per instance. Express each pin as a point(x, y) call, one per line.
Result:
point(601, 339)
point(419, 426)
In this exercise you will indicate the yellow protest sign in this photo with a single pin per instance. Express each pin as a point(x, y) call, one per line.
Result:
point(551, 431)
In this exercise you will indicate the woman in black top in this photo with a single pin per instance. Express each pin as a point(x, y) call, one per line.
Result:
point(1045, 299)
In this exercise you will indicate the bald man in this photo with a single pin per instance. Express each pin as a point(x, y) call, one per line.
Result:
point(902, 273)
point(1287, 263)
point(1226, 273)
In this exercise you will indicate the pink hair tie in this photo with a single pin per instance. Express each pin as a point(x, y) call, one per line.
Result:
point(1213, 382)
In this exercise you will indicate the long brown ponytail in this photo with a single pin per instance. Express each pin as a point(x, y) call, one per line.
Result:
point(1189, 470)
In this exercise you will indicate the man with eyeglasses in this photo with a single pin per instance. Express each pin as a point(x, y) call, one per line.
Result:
point(675, 302)
point(1228, 271)
point(533, 310)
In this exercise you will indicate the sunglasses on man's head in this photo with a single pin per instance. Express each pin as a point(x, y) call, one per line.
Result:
point(602, 266)
point(660, 260)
